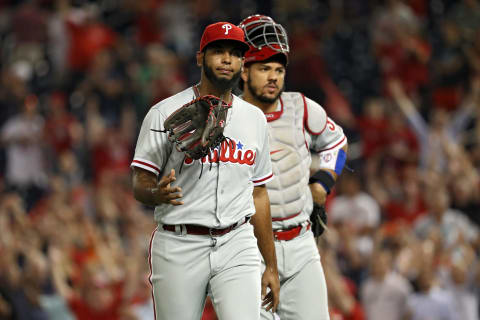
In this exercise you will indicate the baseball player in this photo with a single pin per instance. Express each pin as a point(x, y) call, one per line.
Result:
point(205, 242)
point(299, 128)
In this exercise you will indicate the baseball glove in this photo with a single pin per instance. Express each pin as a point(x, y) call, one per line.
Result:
point(318, 218)
point(197, 127)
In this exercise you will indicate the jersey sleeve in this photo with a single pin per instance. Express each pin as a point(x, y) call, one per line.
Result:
point(263, 165)
point(327, 138)
point(315, 117)
point(153, 148)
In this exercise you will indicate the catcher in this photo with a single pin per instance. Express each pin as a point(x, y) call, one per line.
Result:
point(300, 131)
point(206, 240)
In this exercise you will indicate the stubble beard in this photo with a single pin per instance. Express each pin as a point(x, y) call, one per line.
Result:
point(260, 97)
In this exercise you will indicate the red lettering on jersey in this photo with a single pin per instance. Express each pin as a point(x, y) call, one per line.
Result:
point(223, 151)
point(239, 156)
point(212, 158)
point(232, 146)
point(249, 157)
point(228, 153)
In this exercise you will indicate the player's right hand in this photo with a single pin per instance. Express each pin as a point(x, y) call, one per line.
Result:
point(165, 193)
point(270, 279)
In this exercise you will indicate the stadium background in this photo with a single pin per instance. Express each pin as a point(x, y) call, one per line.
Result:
point(401, 77)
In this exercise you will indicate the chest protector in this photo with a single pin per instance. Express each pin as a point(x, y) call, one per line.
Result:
point(290, 196)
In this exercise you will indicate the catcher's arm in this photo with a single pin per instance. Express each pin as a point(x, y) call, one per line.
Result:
point(262, 223)
point(319, 193)
point(149, 191)
point(321, 185)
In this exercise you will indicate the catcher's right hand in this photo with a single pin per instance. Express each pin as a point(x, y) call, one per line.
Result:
point(318, 218)
point(197, 127)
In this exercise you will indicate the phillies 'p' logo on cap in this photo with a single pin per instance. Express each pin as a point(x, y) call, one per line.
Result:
point(226, 27)
point(223, 31)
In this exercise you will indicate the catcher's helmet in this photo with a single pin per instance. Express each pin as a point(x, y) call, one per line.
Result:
point(265, 37)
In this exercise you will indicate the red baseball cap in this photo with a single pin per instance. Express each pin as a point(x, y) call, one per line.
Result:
point(223, 31)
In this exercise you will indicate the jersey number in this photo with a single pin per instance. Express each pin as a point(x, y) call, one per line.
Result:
point(330, 125)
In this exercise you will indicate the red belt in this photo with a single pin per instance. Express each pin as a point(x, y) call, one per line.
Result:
point(289, 234)
point(201, 230)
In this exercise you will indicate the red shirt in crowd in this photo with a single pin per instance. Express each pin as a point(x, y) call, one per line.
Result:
point(84, 311)
point(87, 40)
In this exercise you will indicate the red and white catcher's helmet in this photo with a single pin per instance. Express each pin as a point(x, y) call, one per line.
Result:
point(265, 37)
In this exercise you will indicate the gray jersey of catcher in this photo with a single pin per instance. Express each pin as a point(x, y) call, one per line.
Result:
point(298, 130)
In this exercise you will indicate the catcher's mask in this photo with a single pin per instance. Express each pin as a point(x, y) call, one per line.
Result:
point(265, 37)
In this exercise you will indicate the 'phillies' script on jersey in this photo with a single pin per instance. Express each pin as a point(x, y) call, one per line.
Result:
point(230, 151)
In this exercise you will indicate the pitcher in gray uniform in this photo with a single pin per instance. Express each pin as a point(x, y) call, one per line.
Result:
point(205, 242)
point(299, 129)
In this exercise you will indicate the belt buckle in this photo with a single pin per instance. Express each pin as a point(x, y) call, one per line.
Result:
point(275, 236)
point(213, 237)
point(212, 234)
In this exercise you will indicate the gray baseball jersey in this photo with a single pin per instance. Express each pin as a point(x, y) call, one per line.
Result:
point(223, 194)
point(298, 129)
point(184, 267)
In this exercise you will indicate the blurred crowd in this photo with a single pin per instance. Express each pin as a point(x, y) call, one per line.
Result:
point(401, 77)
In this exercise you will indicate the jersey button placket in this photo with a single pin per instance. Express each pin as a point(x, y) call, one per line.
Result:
point(220, 168)
point(214, 240)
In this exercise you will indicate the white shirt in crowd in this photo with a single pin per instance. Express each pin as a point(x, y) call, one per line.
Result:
point(453, 225)
point(25, 161)
point(360, 210)
point(386, 299)
point(437, 304)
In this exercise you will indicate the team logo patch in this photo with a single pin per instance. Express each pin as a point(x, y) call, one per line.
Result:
point(327, 157)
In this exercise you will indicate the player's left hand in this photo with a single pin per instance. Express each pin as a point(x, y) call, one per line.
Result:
point(270, 279)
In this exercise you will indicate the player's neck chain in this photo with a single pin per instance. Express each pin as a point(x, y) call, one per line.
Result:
point(196, 91)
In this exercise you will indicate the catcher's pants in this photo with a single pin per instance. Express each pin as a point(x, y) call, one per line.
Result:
point(187, 267)
point(303, 290)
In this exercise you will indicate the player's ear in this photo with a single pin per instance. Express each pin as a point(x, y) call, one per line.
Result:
point(244, 74)
point(200, 58)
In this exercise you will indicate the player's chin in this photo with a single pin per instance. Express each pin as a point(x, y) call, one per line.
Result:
point(270, 96)
point(270, 92)
point(225, 76)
